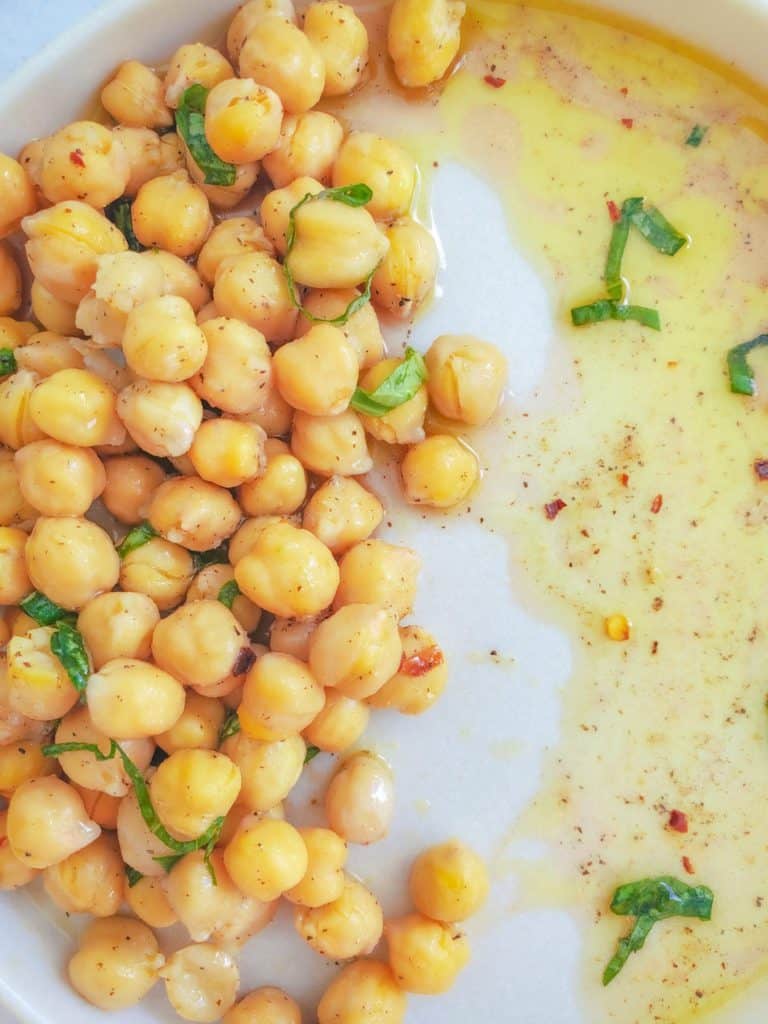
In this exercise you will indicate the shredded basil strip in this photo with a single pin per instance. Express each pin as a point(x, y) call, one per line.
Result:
point(229, 593)
point(119, 212)
point(608, 309)
point(696, 137)
point(68, 646)
point(311, 754)
point(739, 370)
point(133, 876)
point(190, 124)
point(229, 727)
point(649, 901)
point(45, 613)
point(657, 230)
point(349, 195)
point(216, 556)
point(7, 362)
point(619, 239)
point(396, 389)
point(136, 538)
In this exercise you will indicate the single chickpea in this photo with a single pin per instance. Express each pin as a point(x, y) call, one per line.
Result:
point(248, 16)
point(273, 415)
point(207, 313)
point(235, 236)
point(172, 213)
point(47, 822)
point(17, 426)
point(148, 900)
point(134, 699)
point(17, 195)
point(38, 684)
point(365, 990)
point(384, 166)
point(77, 407)
point(14, 579)
point(466, 378)
point(118, 625)
point(225, 197)
point(280, 698)
point(10, 281)
point(201, 982)
point(89, 881)
point(53, 314)
point(331, 445)
point(116, 964)
point(13, 874)
point(14, 508)
point(161, 418)
point(134, 97)
point(336, 246)
point(192, 788)
point(138, 845)
point(356, 650)
point(266, 858)
point(238, 367)
point(197, 729)
point(277, 205)
point(243, 541)
point(201, 643)
point(421, 677)
point(228, 452)
point(194, 64)
point(288, 572)
point(265, 1005)
point(402, 425)
point(425, 956)
point(449, 882)
point(339, 725)
point(59, 479)
point(439, 472)
point(341, 39)
point(163, 342)
point(292, 636)
point(149, 155)
point(45, 353)
point(242, 120)
point(308, 146)
point(208, 585)
point(71, 560)
point(131, 480)
point(18, 622)
point(374, 572)
point(407, 275)
point(160, 570)
point(31, 161)
point(15, 332)
point(348, 927)
point(342, 513)
point(359, 801)
point(191, 512)
point(14, 727)
point(324, 881)
point(269, 770)
point(424, 38)
point(252, 288)
point(181, 278)
point(22, 762)
point(84, 769)
point(84, 161)
point(361, 330)
point(99, 806)
point(317, 374)
point(278, 55)
point(280, 489)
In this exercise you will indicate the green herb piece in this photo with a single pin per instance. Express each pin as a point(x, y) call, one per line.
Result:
point(136, 538)
point(649, 901)
point(45, 613)
point(229, 727)
point(696, 137)
point(657, 230)
point(190, 124)
point(119, 212)
point(216, 556)
point(608, 309)
point(68, 646)
point(619, 239)
point(396, 389)
point(311, 754)
point(349, 195)
point(229, 593)
point(133, 876)
point(739, 370)
point(7, 362)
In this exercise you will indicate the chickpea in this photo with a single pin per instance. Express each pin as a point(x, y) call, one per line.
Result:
point(342, 513)
point(273, 415)
point(149, 155)
point(225, 197)
point(135, 97)
point(17, 195)
point(89, 881)
point(99, 806)
point(439, 472)
point(242, 120)
point(356, 650)
point(13, 874)
point(341, 39)
point(59, 479)
point(138, 845)
point(339, 725)
point(71, 560)
point(278, 55)
point(243, 541)
point(253, 288)
point(265, 1005)
point(449, 882)
point(331, 445)
point(228, 452)
point(45, 353)
point(162, 340)
point(118, 625)
point(325, 882)
point(161, 418)
point(131, 480)
point(359, 802)
point(84, 161)
point(236, 236)
point(14, 727)
point(47, 822)
point(280, 698)
point(421, 677)
point(207, 586)
point(317, 374)
point(127, 280)
point(348, 927)
point(17, 426)
point(55, 316)
point(408, 272)
point(209, 312)
point(288, 572)
point(77, 407)
point(280, 489)
point(466, 378)
point(22, 762)
point(19, 622)
point(14, 508)
point(386, 167)
point(160, 570)
point(14, 580)
point(404, 424)
point(172, 213)
point(191, 512)
point(365, 992)
point(181, 278)
point(266, 858)
point(375, 572)
point(308, 146)
point(201, 982)
point(425, 956)
point(361, 330)
point(134, 699)
point(192, 788)
point(336, 246)
point(277, 205)
point(238, 367)
point(198, 728)
point(292, 636)
point(194, 64)
point(201, 643)
point(149, 902)
point(84, 769)
point(116, 964)
point(248, 16)
point(424, 38)
point(10, 281)
point(269, 770)
point(15, 332)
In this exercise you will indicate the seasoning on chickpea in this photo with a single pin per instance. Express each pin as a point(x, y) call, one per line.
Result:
point(237, 370)
point(208, 585)
point(159, 569)
point(292, 636)
point(45, 353)
point(359, 801)
point(317, 374)
point(365, 990)
point(252, 288)
point(324, 881)
point(342, 513)
point(228, 452)
point(424, 38)
point(89, 881)
point(341, 39)
point(17, 426)
point(161, 418)
point(200, 643)
point(194, 64)
point(449, 882)
point(356, 650)
point(280, 489)
point(439, 472)
point(84, 161)
point(134, 699)
point(421, 677)
point(201, 982)
point(162, 340)
point(242, 120)
point(131, 480)
point(77, 407)
point(194, 513)
point(331, 445)
point(266, 1005)
point(375, 572)
point(59, 479)
point(117, 963)
point(149, 902)
point(47, 822)
point(278, 55)
point(13, 874)
point(308, 146)
point(407, 274)
point(235, 236)
point(15, 584)
point(384, 166)
point(249, 15)
point(71, 560)
point(134, 97)
point(466, 378)
point(83, 767)
point(118, 625)
point(362, 329)
point(269, 770)
point(10, 281)
point(192, 788)
point(348, 927)
point(172, 213)
point(339, 725)
point(280, 698)
point(425, 956)
point(17, 195)
point(266, 857)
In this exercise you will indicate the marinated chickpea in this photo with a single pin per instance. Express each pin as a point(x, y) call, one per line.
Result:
point(408, 272)
point(192, 788)
point(361, 330)
point(265, 1005)
point(22, 762)
point(342, 513)
point(77, 407)
point(116, 964)
point(308, 146)
point(149, 902)
point(356, 650)
point(252, 288)
point(181, 278)
point(403, 425)
point(71, 560)
point(191, 512)
point(273, 415)
point(266, 858)
point(161, 418)
point(201, 643)
point(280, 489)
point(207, 586)
point(45, 353)
point(228, 452)
point(194, 64)
point(131, 480)
point(425, 956)
point(19, 622)
point(138, 845)
point(424, 38)
point(14, 509)
point(324, 881)
point(339, 725)
point(99, 806)
point(198, 728)
point(336, 246)
point(248, 16)
point(242, 120)
point(15, 332)
point(201, 982)
point(84, 769)
point(149, 155)
point(269, 770)
point(172, 213)
point(421, 677)
point(31, 159)
point(59, 479)
point(317, 374)
point(17, 195)
point(360, 799)
point(375, 572)
point(135, 97)
point(331, 445)
point(348, 927)
point(278, 55)
point(439, 472)
point(134, 699)
point(10, 281)
point(17, 426)
point(341, 39)
point(14, 727)
point(449, 882)
point(280, 698)
point(118, 625)
point(84, 161)
point(160, 570)
point(47, 822)
point(38, 685)
point(277, 205)
point(292, 636)
point(365, 992)
point(384, 166)
point(53, 314)
point(13, 874)
point(237, 370)
point(466, 378)
point(89, 881)
point(235, 236)
point(162, 340)
point(14, 579)
point(288, 572)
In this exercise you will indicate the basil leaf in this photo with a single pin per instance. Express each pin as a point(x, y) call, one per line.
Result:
point(619, 239)
point(216, 556)
point(133, 876)
point(629, 944)
point(739, 370)
point(608, 309)
point(229, 593)
point(398, 388)
point(45, 613)
point(190, 124)
point(311, 754)
point(136, 538)
point(656, 229)
point(7, 362)
point(119, 212)
point(68, 646)
point(696, 137)
point(229, 727)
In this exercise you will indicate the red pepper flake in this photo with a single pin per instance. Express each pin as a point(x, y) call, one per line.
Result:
point(678, 821)
point(657, 503)
point(624, 91)
point(554, 508)
point(688, 867)
point(421, 662)
point(614, 211)
point(76, 157)
point(624, 479)
point(494, 81)
point(761, 469)
point(628, 122)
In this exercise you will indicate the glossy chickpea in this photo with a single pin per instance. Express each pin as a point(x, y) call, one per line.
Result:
point(207, 586)
point(118, 625)
point(10, 281)
point(317, 374)
point(242, 120)
point(341, 39)
point(266, 858)
point(17, 195)
point(59, 479)
point(14, 579)
point(15, 332)
point(181, 278)
point(135, 97)
point(192, 788)
point(252, 288)
point(14, 727)
point(18, 621)
point(89, 881)
point(201, 982)
point(45, 353)
point(365, 991)
point(134, 699)
point(160, 570)
point(356, 650)
point(149, 155)
point(273, 415)
point(131, 480)
point(439, 472)
point(384, 166)
point(324, 881)
point(265, 1005)
point(238, 367)
point(235, 236)
point(71, 560)
point(172, 213)
point(280, 489)
point(116, 964)
point(331, 445)
point(348, 927)
point(17, 426)
point(359, 801)
point(47, 822)
point(138, 845)
point(161, 418)
point(375, 572)
point(425, 956)
point(278, 55)
point(466, 378)
point(52, 313)
point(269, 770)
point(83, 161)
point(308, 146)
point(424, 38)
point(194, 64)
point(13, 873)
point(99, 806)
point(162, 340)
point(194, 513)
point(201, 643)
point(22, 762)
point(341, 513)
point(421, 677)
point(449, 882)
point(124, 282)
point(228, 452)
point(405, 423)
point(288, 572)
point(38, 685)
point(14, 509)
point(361, 330)
point(339, 725)
point(248, 15)
point(197, 729)
point(31, 159)
point(407, 274)
point(280, 698)
point(336, 246)
point(83, 767)
point(292, 636)
point(78, 408)
point(277, 205)
point(148, 900)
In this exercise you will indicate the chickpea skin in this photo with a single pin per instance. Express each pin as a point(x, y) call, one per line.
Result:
point(341, 513)
point(421, 677)
point(362, 329)
point(424, 38)
point(266, 858)
point(341, 39)
point(192, 788)
point(308, 146)
point(331, 445)
point(15, 584)
point(161, 418)
point(439, 472)
point(134, 97)
point(131, 480)
point(194, 64)
point(191, 512)
point(317, 374)
point(118, 625)
point(10, 281)
point(162, 340)
point(348, 927)
point(407, 275)
point(235, 236)
point(172, 213)
point(280, 698)
point(449, 882)
point(89, 881)
point(117, 963)
point(228, 452)
point(71, 560)
point(77, 407)
point(59, 479)
point(252, 288)
point(134, 699)
point(265, 1005)
point(201, 982)
point(359, 802)
point(384, 166)
point(402, 425)
point(242, 120)
point(160, 570)
point(466, 378)
point(278, 55)
point(247, 17)
point(375, 572)
point(425, 956)
point(324, 881)
point(84, 161)
point(17, 195)
point(201, 643)
point(47, 823)
point(339, 725)
point(364, 991)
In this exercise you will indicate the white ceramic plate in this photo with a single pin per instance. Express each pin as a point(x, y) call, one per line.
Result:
point(525, 965)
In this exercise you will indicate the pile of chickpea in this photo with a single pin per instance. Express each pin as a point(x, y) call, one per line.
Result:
point(175, 386)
